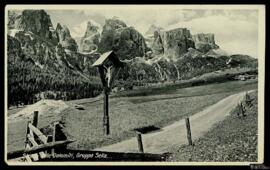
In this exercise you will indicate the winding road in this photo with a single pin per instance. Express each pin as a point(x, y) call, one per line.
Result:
point(175, 134)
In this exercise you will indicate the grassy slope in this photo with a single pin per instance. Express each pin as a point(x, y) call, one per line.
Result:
point(234, 139)
point(127, 113)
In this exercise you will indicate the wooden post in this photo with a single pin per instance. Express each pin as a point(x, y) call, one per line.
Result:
point(248, 100)
point(106, 124)
point(188, 131)
point(140, 144)
point(35, 119)
point(242, 109)
point(49, 139)
point(54, 136)
point(27, 132)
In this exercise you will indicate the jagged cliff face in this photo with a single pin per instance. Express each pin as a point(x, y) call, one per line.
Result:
point(41, 58)
point(65, 39)
point(127, 42)
point(176, 42)
point(89, 42)
point(172, 43)
point(36, 22)
point(205, 42)
point(48, 48)
point(157, 44)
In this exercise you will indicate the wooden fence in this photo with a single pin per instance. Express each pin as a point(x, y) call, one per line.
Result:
point(38, 145)
point(41, 147)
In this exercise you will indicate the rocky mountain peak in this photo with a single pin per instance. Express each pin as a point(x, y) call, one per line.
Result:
point(157, 44)
point(91, 29)
point(113, 24)
point(176, 42)
point(64, 38)
point(35, 21)
point(89, 42)
point(58, 27)
point(63, 29)
point(205, 42)
point(152, 29)
point(202, 37)
point(127, 42)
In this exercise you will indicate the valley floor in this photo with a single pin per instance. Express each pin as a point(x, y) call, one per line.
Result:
point(128, 113)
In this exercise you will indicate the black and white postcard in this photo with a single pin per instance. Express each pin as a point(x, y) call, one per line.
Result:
point(134, 84)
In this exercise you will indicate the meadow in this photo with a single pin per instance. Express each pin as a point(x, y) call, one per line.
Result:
point(128, 113)
point(160, 107)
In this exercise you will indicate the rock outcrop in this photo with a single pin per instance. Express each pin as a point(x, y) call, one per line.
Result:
point(152, 29)
point(48, 48)
point(36, 22)
point(193, 53)
point(89, 42)
point(157, 45)
point(65, 39)
point(176, 42)
point(127, 42)
point(205, 42)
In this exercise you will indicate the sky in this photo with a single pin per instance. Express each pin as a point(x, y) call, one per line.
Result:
point(236, 30)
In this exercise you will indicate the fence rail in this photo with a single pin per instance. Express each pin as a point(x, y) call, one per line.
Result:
point(37, 144)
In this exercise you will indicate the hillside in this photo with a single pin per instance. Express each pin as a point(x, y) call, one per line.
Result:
point(44, 60)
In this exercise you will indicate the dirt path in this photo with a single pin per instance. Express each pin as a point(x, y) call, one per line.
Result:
point(175, 134)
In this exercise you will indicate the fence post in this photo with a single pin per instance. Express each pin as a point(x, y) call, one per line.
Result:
point(242, 109)
point(35, 119)
point(27, 132)
point(140, 144)
point(239, 110)
point(188, 131)
point(54, 135)
point(49, 139)
point(248, 99)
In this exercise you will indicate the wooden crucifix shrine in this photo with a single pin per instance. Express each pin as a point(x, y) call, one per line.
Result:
point(108, 66)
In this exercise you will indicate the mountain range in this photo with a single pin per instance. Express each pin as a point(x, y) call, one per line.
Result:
point(43, 58)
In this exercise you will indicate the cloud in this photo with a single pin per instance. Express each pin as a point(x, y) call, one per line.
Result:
point(141, 19)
